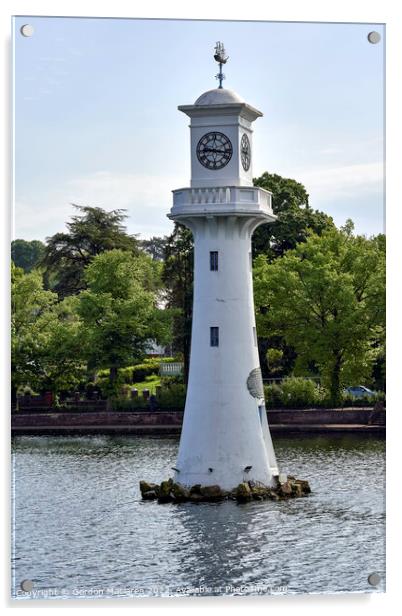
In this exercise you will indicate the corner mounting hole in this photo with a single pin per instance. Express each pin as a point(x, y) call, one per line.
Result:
point(374, 37)
point(374, 579)
point(27, 30)
point(26, 585)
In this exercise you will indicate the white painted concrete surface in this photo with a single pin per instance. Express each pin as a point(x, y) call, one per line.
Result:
point(225, 429)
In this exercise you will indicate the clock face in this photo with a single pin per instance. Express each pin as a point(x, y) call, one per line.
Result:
point(245, 151)
point(214, 150)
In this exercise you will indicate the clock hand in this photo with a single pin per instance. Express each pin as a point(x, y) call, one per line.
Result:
point(213, 150)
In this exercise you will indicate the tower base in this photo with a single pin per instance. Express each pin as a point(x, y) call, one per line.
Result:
point(170, 492)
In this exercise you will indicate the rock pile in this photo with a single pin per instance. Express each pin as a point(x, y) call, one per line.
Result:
point(171, 492)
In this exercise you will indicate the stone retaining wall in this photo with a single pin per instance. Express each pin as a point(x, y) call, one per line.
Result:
point(159, 422)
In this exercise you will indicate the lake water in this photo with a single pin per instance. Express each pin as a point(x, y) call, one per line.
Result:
point(81, 529)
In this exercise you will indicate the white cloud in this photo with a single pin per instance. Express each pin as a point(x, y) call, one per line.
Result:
point(146, 198)
point(342, 181)
point(124, 189)
point(40, 216)
point(331, 150)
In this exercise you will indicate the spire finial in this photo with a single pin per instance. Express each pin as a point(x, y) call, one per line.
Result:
point(221, 57)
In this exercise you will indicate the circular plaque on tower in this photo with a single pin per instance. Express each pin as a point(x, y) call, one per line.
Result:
point(214, 150)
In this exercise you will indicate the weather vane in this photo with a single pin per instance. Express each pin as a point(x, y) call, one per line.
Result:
point(221, 57)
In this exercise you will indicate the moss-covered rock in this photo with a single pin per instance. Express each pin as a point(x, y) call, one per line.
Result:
point(179, 493)
point(196, 489)
point(305, 486)
point(149, 495)
point(296, 489)
point(285, 489)
point(168, 491)
point(148, 487)
point(243, 493)
point(259, 492)
point(165, 488)
point(196, 498)
point(212, 493)
point(273, 495)
point(149, 491)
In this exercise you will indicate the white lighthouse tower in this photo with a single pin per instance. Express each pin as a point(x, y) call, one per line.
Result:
point(225, 438)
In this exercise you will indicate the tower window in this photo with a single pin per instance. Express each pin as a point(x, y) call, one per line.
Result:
point(213, 260)
point(214, 336)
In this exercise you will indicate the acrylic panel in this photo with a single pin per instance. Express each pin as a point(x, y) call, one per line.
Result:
point(198, 313)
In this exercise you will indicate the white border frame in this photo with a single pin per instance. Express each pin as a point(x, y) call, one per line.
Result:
point(367, 11)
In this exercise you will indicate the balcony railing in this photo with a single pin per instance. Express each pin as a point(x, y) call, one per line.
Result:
point(171, 368)
point(235, 196)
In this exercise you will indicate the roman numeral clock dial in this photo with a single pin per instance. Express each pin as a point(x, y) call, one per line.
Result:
point(245, 152)
point(214, 150)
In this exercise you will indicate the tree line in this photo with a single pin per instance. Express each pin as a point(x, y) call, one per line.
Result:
point(95, 297)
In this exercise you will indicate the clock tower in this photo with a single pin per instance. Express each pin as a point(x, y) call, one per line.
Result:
point(225, 438)
point(221, 139)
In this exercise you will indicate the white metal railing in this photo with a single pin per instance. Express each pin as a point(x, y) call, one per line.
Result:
point(171, 368)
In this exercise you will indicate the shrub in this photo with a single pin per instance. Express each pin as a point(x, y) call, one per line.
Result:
point(135, 404)
point(90, 389)
point(150, 366)
point(273, 396)
point(25, 390)
point(124, 391)
point(173, 397)
point(298, 392)
point(126, 375)
point(151, 382)
point(294, 392)
point(139, 372)
point(348, 400)
point(167, 381)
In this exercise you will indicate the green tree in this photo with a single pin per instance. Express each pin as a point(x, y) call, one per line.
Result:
point(295, 219)
point(178, 278)
point(45, 346)
point(26, 254)
point(155, 247)
point(326, 298)
point(119, 311)
point(274, 360)
point(90, 232)
point(28, 303)
point(290, 203)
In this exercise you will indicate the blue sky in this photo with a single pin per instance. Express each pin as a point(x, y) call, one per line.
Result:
point(96, 119)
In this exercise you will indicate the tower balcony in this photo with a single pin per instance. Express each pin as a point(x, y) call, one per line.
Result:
point(222, 201)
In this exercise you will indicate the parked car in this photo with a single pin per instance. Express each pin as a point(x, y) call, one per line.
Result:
point(359, 391)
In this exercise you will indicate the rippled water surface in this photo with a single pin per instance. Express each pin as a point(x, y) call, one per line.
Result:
point(81, 529)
